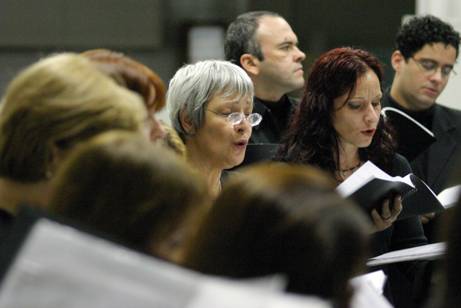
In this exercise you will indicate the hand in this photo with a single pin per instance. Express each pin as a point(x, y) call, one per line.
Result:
point(426, 217)
point(388, 216)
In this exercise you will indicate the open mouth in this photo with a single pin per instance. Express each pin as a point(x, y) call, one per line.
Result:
point(241, 143)
point(369, 132)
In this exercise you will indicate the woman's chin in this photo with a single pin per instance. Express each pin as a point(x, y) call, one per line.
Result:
point(234, 162)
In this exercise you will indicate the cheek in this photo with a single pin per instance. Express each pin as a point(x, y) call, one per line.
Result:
point(219, 133)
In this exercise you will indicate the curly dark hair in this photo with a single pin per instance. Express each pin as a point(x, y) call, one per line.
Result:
point(428, 29)
point(240, 36)
point(311, 137)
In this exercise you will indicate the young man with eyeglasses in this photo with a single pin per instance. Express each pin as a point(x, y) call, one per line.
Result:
point(426, 51)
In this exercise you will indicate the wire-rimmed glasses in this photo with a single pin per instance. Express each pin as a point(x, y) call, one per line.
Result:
point(235, 118)
point(430, 67)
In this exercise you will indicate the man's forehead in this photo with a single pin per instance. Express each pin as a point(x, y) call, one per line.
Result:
point(277, 29)
point(438, 51)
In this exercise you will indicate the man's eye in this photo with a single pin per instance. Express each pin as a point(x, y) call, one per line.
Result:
point(429, 65)
point(446, 70)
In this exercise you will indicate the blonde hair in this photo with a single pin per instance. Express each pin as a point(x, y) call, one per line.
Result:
point(58, 102)
point(173, 141)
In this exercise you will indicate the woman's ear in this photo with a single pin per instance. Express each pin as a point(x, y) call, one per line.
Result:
point(186, 123)
point(250, 64)
point(56, 157)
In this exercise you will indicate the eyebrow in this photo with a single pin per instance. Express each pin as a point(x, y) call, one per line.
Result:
point(435, 61)
point(288, 41)
point(380, 96)
point(237, 102)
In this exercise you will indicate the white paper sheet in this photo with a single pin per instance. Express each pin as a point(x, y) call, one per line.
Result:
point(367, 172)
point(59, 266)
point(368, 291)
point(424, 252)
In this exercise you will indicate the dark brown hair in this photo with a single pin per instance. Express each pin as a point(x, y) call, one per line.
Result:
point(311, 137)
point(134, 191)
point(287, 219)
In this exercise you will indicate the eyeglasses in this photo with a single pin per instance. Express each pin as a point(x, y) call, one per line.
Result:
point(235, 118)
point(431, 67)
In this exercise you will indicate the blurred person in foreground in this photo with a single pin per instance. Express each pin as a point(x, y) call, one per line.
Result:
point(284, 219)
point(47, 109)
point(136, 192)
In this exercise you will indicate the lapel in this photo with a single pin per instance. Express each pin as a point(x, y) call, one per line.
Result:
point(259, 107)
point(441, 153)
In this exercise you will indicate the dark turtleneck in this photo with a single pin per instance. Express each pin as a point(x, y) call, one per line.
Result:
point(425, 117)
point(276, 116)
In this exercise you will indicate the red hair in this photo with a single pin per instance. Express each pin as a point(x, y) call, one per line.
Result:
point(130, 74)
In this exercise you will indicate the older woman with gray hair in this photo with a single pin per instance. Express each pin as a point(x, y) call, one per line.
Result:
point(210, 105)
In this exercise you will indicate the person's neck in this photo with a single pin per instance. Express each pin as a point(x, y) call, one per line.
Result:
point(211, 174)
point(348, 157)
point(401, 100)
point(13, 194)
point(348, 162)
point(268, 93)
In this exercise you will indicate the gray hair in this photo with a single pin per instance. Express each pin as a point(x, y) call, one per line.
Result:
point(240, 36)
point(194, 85)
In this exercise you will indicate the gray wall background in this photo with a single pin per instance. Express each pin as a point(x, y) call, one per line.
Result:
point(155, 31)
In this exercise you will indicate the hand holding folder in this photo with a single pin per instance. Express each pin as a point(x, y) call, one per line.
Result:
point(369, 186)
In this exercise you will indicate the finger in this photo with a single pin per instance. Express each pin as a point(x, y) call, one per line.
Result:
point(385, 212)
point(424, 219)
point(377, 220)
point(397, 208)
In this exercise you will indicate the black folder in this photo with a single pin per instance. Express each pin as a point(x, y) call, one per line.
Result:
point(369, 190)
point(421, 136)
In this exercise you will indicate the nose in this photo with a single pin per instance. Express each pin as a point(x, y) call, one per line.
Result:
point(299, 55)
point(243, 126)
point(372, 115)
point(437, 76)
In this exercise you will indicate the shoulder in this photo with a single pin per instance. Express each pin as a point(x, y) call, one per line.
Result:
point(448, 112)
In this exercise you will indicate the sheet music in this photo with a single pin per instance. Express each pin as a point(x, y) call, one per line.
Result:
point(363, 175)
point(424, 252)
point(448, 197)
point(368, 291)
point(59, 266)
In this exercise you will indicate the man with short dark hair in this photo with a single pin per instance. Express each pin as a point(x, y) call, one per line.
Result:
point(266, 47)
point(426, 51)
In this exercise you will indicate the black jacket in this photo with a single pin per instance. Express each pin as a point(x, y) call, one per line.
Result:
point(273, 126)
point(441, 157)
